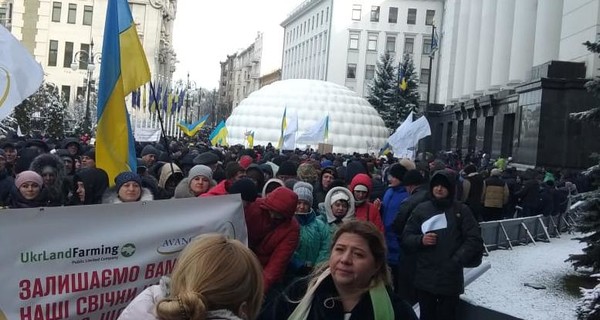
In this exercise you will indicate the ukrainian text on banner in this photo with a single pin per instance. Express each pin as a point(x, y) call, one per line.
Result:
point(89, 262)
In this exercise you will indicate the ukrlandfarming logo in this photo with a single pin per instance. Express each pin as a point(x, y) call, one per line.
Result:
point(79, 255)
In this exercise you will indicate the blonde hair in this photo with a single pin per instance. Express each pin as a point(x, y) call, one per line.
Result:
point(213, 272)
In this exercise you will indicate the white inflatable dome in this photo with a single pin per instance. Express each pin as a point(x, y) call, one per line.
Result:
point(354, 125)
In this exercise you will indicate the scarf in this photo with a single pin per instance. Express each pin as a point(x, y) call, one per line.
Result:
point(380, 300)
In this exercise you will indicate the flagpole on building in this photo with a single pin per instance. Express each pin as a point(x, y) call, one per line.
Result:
point(431, 56)
point(162, 127)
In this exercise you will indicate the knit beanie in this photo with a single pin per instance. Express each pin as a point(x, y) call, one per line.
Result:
point(245, 187)
point(397, 171)
point(125, 177)
point(200, 170)
point(28, 176)
point(245, 161)
point(306, 172)
point(304, 191)
point(149, 149)
point(232, 169)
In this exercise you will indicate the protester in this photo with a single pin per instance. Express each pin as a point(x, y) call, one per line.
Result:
point(128, 188)
point(361, 186)
point(89, 185)
point(441, 253)
point(149, 155)
point(198, 181)
point(328, 174)
point(338, 207)
point(474, 192)
point(27, 191)
point(233, 173)
point(6, 180)
point(52, 169)
point(169, 177)
point(88, 159)
point(271, 185)
point(287, 170)
point(494, 197)
point(247, 190)
point(354, 284)
point(214, 278)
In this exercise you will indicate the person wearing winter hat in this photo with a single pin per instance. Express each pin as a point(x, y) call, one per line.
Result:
point(361, 186)
point(245, 161)
point(271, 185)
point(287, 170)
point(208, 158)
point(149, 155)
point(338, 207)
point(313, 244)
point(128, 188)
point(306, 172)
point(328, 175)
point(255, 173)
point(89, 185)
point(88, 159)
point(273, 232)
point(198, 181)
point(27, 191)
point(233, 173)
point(246, 188)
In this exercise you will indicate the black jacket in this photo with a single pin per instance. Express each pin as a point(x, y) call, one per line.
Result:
point(418, 196)
point(440, 267)
point(326, 306)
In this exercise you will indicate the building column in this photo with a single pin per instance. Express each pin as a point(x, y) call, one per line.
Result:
point(461, 48)
point(547, 31)
point(522, 41)
point(472, 48)
point(486, 46)
point(503, 30)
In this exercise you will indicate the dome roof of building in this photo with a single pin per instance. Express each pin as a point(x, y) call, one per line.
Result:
point(354, 125)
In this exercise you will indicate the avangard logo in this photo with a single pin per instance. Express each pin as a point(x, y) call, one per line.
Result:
point(128, 250)
point(4, 87)
point(173, 245)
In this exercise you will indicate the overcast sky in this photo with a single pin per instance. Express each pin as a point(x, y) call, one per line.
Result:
point(206, 31)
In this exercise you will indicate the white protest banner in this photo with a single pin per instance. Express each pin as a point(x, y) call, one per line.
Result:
point(146, 134)
point(89, 262)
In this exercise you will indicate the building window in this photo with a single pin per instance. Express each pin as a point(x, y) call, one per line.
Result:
point(393, 16)
point(390, 44)
point(412, 16)
point(66, 93)
point(3, 17)
point(409, 44)
point(424, 76)
point(83, 59)
point(68, 54)
point(375, 14)
point(53, 53)
point(369, 72)
point(71, 18)
point(372, 42)
point(354, 40)
point(351, 71)
point(429, 17)
point(327, 15)
point(56, 7)
point(322, 14)
point(356, 11)
point(426, 46)
point(88, 12)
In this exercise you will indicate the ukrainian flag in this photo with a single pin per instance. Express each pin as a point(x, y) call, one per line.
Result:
point(402, 83)
point(283, 127)
point(219, 135)
point(191, 129)
point(124, 68)
point(250, 139)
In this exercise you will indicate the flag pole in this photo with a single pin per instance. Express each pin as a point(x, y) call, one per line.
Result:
point(162, 128)
point(431, 55)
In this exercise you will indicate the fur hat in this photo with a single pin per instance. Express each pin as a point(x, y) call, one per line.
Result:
point(28, 176)
point(125, 177)
point(149, 149)
point(304, 191)
point(200, 170)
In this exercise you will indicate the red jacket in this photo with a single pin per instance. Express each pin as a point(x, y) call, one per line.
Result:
point(367, 211)
point(218, 190)
point(273, 240)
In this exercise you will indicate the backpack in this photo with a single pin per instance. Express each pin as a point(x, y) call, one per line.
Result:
point(477, 257)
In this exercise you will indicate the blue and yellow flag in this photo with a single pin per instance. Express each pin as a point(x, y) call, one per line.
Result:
point(402, 82)
point(283, 127)
point(191, 129)
point(250, 138)
point(219, 135)
point(124, 68)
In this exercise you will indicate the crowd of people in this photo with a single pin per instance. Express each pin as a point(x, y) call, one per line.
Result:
point(330, 236)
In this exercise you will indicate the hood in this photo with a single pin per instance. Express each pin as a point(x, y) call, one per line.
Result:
point(363, 179)
point(183, 189)
point(48, 159)
point(448, 180)
point(95, 182)
point(327, 204)
point(282, 200)
point(166, 173)
point(269, 182)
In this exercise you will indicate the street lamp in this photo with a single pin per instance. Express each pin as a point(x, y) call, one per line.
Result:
point(90, 57)
point(190, 85)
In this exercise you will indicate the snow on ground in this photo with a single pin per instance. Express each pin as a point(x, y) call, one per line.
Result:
point(502, 287)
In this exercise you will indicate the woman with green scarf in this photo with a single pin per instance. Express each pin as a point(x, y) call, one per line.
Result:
point(353, 284)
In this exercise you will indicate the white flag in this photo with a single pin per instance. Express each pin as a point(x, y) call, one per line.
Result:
point(436, 222)
point(20, 74)
point(289, 135)
point(316, 133)
point(396, 138)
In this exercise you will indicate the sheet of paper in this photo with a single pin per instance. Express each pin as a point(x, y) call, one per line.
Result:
point(436, 222)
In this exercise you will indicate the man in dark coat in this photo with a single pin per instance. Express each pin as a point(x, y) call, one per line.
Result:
point(445, 237)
